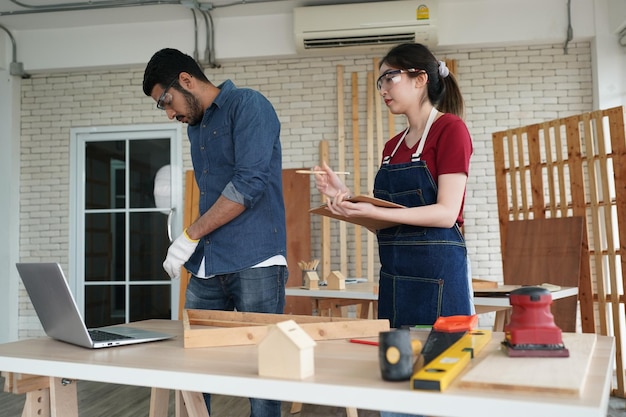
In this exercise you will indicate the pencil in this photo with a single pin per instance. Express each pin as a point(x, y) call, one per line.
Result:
point(310, 172)
point(364, 342)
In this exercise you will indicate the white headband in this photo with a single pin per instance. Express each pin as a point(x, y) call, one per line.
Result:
point(443, 69)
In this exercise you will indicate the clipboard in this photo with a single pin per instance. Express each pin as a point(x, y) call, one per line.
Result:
point(370, 224)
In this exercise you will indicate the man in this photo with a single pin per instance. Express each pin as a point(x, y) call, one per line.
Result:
point(236, 249)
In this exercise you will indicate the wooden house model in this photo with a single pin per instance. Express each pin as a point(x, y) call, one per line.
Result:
point(336, 281)
point(311, 280)
point(287, 351)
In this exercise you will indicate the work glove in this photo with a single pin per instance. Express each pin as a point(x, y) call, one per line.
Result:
point(178, 253)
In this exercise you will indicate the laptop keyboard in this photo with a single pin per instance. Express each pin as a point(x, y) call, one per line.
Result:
point(102, 336)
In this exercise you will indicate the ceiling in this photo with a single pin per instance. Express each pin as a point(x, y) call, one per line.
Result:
point(52, 14)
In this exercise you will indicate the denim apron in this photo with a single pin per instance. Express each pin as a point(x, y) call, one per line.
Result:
point(423, 269)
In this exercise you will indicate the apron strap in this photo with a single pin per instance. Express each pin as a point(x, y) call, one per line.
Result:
point(431, 118)
point(387, 159)
point(418, 153)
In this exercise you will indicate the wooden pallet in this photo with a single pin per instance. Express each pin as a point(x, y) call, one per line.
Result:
point(574, 167)
point(211, 328)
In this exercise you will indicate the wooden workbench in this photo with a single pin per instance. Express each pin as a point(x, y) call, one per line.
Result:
point(346, 375)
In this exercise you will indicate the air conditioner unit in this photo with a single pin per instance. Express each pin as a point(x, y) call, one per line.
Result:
point(362, 26)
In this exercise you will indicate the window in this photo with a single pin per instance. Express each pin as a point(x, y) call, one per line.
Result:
point(119, 227)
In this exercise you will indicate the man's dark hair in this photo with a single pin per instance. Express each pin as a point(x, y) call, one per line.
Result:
point(164, 67)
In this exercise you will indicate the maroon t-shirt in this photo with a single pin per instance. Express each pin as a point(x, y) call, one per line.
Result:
point(447, 150)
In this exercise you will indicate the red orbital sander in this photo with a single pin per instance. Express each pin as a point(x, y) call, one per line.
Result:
point(531, 332)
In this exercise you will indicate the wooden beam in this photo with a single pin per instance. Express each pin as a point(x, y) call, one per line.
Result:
point(341, 155)
point(356, 153)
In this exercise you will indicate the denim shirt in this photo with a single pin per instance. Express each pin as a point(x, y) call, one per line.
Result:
point(236, 153)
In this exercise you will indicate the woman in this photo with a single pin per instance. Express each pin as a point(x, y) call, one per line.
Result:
point(424, 267)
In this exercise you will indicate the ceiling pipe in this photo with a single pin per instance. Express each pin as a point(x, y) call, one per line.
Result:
point(194, 5)
point(15, 68)
point(108, 4)
point(195, 33)
point(211, 42)
point(90, 5)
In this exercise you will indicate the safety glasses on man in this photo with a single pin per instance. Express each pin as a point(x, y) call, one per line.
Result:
point(165, 99)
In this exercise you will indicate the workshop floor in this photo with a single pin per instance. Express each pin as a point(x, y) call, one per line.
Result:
point(128, 401)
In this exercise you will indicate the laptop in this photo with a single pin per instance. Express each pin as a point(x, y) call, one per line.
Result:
point(54, 304)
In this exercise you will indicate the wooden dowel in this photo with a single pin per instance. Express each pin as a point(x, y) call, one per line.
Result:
point(357, 176)
point(370, 167)
point(326, 265)
point(341, 154)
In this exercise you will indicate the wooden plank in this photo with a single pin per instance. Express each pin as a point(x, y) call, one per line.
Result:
point(585, 288)
point(380, 139)
point(555, 375)
point(579, 205)
point(547, 128)
point(179, 405)
point(521, 168)
point(596, 221)
point(251, 335)
point(159, 402)
point(605, 174)
point(236, 318)
point(191, 212)
point(356, 163)
point(501, 189)
point(452, 66)
point(251, 328)
point(341, 155)
point(297, 197)
point(546, 251)
point(575, 164)
point(23, 383)
point(37, 404)
point(479, 284)
point(370, 254)
point(325, 263)
point(560, 166)
point(63, 398)
point(618, 145)
point(194, 404)
point(513, 176)
point(535, 169)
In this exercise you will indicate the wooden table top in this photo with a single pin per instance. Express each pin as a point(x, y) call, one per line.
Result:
point(346, 375)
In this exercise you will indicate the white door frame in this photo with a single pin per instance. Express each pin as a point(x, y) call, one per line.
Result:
point(78, 138)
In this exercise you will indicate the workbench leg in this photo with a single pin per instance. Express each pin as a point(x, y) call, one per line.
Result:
point(352, 412)
point(159, 402)
point(37, 403)
point(502, 317)
point(365, 310)
point(63, 398)
point(194, 404)
point(295, 408)
point(179, 405)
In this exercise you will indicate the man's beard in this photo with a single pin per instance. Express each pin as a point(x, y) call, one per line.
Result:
point(195, 110)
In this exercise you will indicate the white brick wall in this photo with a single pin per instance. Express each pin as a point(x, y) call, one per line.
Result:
point(503, 88)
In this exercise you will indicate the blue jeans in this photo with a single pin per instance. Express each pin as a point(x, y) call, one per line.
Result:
point(259, 290)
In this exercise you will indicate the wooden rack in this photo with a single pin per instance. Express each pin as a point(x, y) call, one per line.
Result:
point(574, 166)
